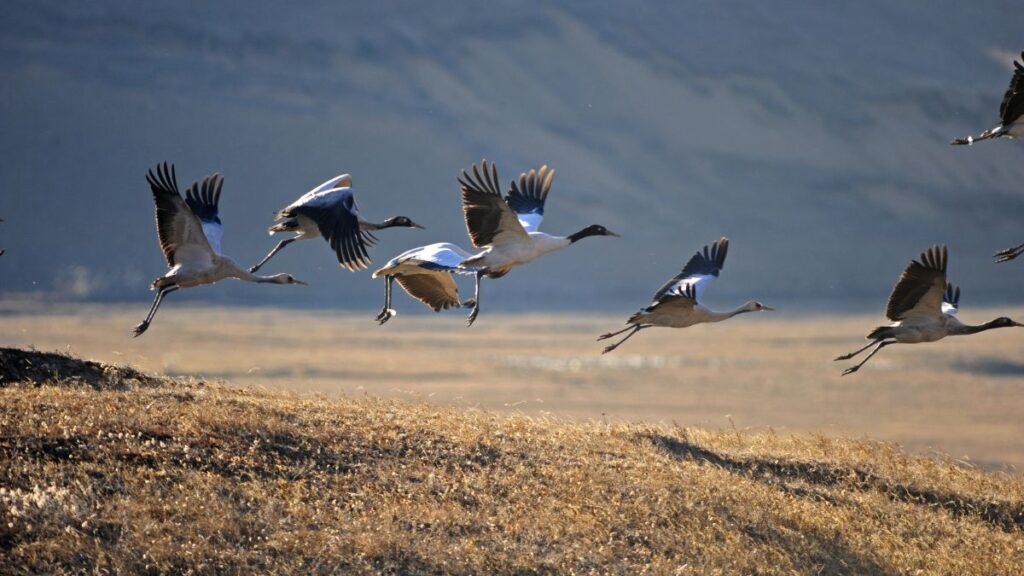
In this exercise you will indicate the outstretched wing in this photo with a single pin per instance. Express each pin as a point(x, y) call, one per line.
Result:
point(339, 181)
point(919, 291)
point(204, 201)
point(437, 290)
point(337, 218)
point(489, 219)
point(1012, 107)
point(951, 300)
point(179, 230)
point(698, 273)
point(527, 197)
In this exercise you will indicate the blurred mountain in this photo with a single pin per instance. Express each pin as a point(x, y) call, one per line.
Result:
point(814, 135)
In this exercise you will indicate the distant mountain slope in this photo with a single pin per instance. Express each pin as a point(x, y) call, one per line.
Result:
point(816, 137)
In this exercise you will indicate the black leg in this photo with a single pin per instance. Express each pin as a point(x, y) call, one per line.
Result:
point(476, 301)
point(144, 325)
point(1008, 254)
point(276, 249)
point(855, 352)
point(610, 334)
point(636, 329)
point(387, 312)
point(881, 345)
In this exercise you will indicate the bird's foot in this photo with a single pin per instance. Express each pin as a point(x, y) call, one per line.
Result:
point(472, 317)
point(851, 370)
point(385, 315)
point(609, 348)
point(843, 357)
point(1008, 254)
point(605, 336)
point(138, 330)
point(963, 141)
point(253, 269)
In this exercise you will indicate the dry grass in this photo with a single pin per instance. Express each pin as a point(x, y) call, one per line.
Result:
point(960, 396)
point(108, 469)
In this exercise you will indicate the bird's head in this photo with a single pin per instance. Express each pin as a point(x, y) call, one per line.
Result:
point(1003, 322)
point(287, 279)
point(400, 222)
point(592, 230)
point(754, 306)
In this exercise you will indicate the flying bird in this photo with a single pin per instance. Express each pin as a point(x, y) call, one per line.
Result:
point(506, 229)
point(1011, 111)
point(190, 232)
point(1008, 254)
point(330, 211)
point(677, 303)
point(425, 273)
point(922, 307)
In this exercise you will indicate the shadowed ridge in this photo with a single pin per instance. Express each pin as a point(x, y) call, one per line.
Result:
point(40, 368)
point(1006, 516)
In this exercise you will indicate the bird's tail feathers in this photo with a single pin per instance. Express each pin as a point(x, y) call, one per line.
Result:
point(880, 333)
point(290, 225)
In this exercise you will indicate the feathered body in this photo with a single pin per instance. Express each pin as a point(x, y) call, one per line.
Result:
point(677, 303)
point(922, 306)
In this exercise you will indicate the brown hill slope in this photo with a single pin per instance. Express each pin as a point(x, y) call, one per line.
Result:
point(106, 468)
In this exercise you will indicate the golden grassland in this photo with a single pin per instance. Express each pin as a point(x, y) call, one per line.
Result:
point(105, 469)
point(960, 396)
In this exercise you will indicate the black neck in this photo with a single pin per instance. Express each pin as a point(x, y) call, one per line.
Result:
point(588, 231)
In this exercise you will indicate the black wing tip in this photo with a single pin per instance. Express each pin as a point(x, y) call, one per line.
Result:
point(487, 182)
point(164, 180)
point(952, 294)
point(935, 258)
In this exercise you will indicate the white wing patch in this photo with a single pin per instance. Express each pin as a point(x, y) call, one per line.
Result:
point(325, 190)
point(950, 309)
point(700, 283)
point(530, 221)
point(213, 233)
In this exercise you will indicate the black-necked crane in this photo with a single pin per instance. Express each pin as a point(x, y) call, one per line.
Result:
point(922, 307)
point(190, 231)
point(1011, 111)
point(425, 273)
point(677, 303)
point(506, 229)
point(330, 211)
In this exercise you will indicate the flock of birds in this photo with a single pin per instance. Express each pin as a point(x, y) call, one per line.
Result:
point(505, 231)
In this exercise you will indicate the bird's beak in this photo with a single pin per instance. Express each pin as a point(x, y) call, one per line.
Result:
point(1018, 324)
point(768, 308)
point(297, 281)
point(610, 233)
point(415, 225)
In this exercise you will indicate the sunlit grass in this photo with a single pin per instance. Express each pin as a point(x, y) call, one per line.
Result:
point(114, 471)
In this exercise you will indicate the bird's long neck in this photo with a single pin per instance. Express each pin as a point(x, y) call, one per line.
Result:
point(577, 236)
point(233, 271)
point(719, 316)
point(956, 328)
point(364, 225)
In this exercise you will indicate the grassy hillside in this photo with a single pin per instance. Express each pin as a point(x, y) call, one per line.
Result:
point(106, 468)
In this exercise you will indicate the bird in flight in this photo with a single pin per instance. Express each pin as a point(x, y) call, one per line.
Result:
point(425, 273)
point(189, 230)
point(330, 211)
point(677, 303)
point(1011, 111)
point(507, 229)
point(922, 307)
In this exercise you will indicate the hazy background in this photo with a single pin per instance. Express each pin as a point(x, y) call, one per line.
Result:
point(815, 135)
